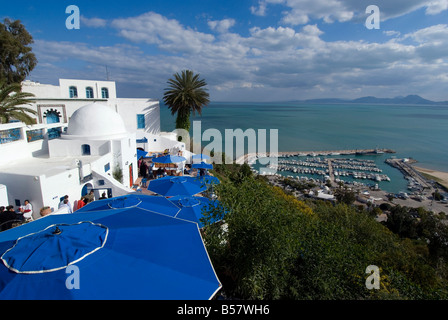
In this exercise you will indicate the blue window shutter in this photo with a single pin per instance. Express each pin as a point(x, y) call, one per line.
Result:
point(141, 121)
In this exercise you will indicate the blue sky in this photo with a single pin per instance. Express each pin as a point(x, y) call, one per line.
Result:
point(246, 50)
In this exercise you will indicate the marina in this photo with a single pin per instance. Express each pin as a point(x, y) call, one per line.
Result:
point(357, 168)
point(331, 168)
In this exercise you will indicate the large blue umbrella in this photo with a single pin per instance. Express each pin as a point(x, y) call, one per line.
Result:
point(202, 165)
point(192, 208)
point(174, 186)
point(150, 203)
point(168, 159)
point(109, 254)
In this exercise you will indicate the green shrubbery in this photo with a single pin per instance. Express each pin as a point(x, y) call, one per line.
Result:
point(272, 246)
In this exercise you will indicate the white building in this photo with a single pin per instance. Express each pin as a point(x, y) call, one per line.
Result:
point(56, 104)
point(83, 133)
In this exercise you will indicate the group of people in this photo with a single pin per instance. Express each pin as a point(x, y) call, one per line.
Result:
point(8, 215)
point(65, 203)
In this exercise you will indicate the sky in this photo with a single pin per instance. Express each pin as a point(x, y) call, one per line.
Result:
point(246, 50)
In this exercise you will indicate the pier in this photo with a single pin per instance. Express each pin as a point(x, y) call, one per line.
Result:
point(409, 172)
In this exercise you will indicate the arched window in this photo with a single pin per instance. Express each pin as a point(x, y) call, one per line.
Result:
point(52, 117)
point(73, 91)
point(89, 93)
point(105, 93)
point(85, 150)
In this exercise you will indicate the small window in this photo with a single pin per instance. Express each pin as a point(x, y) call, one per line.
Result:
point(89, 93)
point(105, 93)
point(85, 150)
point(106, 167)
point(73, 91)
point(141, 121)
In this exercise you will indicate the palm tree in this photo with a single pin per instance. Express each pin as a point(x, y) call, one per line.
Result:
point(185, 93)
point(12, 100)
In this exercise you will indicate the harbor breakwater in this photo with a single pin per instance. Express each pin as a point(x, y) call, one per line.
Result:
point(251, 157)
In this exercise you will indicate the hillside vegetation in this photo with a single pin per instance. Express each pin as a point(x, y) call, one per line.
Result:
point(269, 245)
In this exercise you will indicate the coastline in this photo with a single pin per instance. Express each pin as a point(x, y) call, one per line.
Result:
point(439, 176)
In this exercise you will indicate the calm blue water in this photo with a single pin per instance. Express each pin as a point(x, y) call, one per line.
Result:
point(419, 132)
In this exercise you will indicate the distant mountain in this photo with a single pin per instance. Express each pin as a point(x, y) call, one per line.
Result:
point(410, 99)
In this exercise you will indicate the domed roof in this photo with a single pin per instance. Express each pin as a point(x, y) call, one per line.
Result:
point(95, 121)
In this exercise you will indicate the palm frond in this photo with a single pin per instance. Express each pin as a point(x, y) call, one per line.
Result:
point(13, 102)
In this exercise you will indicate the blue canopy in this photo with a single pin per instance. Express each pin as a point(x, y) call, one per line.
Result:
point(150, 203)
point(141, 153)
point(168, 159)
point(192, 208)
point(202, 165)
point(174, 186)
point(144, 140)
point(110, 254)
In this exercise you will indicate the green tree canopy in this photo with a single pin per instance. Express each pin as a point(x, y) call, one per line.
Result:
point(270, 245)
point(16, 58)
point(186, 93)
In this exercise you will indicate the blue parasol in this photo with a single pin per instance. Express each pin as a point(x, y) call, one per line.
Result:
point(110, 254)
point(192, 208)
point(168, 159)
point(150, 203)
point(141, 153)
point(174, 186)
point(202, 165)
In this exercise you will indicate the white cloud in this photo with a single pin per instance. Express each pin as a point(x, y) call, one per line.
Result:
point(93, 22)
point(221, 26)
point(168, 34)
point(435, 7)
point(434, 34)
point(392, 33)
point(269, 62)
point(302, 11)
point(260, 10)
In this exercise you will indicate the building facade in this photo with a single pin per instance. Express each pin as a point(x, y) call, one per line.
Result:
point(83, 134)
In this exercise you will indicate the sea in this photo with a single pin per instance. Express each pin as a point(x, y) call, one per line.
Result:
point(419, 132)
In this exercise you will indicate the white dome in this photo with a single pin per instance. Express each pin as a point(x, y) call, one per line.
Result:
point(95, 121)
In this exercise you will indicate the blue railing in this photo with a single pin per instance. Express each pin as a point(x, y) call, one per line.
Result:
point(54, 133)
point(10, 135)
point(34, 135)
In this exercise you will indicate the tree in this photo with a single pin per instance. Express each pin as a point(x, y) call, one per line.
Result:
point(16, 58)
point(12, 101)
point(186, 93)
point(271, 246)
point(344, 195)
point(400, 221)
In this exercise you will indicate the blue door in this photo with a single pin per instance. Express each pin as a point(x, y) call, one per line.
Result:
point(52, 117)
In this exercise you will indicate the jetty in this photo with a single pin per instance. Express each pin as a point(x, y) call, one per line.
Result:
point(250, 157)
point(409, 172)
